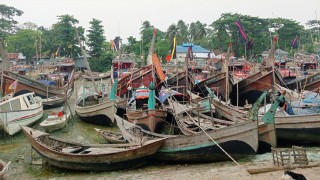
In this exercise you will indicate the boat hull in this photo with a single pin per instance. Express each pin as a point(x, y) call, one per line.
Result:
point(200, 147)
point(147, 119)
point(102, 113)
point(89, 160)
point(307, 125)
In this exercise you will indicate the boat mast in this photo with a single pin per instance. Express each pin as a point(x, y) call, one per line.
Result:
point(85, 60)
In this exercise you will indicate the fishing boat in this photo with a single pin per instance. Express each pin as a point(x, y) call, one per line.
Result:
point(93, 104)
point(250, 88)
point(56, 120)
point(22, 110)
point(91, 157)
point(218, 82)
point(94, 107)
point(149, 116)
point(3, 168)
point(310, 83)
point(299, 128)
point(111, 137)
point(199, 147)
point(52, 95)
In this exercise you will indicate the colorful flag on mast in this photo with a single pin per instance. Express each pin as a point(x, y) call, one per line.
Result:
point(116, 44)
point(174, 47)
point(13, 85)
point(242, 34)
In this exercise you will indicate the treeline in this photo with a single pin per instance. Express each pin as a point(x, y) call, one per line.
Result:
point(60, 38)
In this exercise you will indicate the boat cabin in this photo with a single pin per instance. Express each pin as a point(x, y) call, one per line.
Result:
point(17, 103)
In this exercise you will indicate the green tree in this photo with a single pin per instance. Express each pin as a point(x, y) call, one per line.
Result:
point(133, 46)
point(286, 30)
point(7, 23)
point(24, 41)
point(103, 63)
point(182, 28)
point(66, 36)
point(96, 38)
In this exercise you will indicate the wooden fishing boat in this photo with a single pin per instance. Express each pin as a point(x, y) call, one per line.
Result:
point(148, 119)
point(94, 157)
point(217, 82)
point(3, 168)
point(149, 116)
point(45, 91)
point(266, 132)
point(252, 87)
point(56, 101)
point(199, 147)
point(111, 137)
point(22, 110)
point(178, 82)
point(310, 83)
point(134, 80)
point(300, 128)
point(95, 109)
point(56, 120)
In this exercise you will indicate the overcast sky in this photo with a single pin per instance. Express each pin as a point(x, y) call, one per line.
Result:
point(124, 17)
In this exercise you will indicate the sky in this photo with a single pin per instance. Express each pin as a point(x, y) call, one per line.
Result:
point(124, 17)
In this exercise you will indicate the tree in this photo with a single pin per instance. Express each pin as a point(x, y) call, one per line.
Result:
point(197, 31)
point(103, 63)
point(96, 38)
point(66, 37)
point(133, 46)
point(24, 41)
point(286, 30)
point(7, 23)
point(182, 28)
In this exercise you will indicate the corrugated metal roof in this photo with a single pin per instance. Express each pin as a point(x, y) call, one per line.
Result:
point(195, 48)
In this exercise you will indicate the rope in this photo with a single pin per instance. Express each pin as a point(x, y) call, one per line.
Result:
point(217, 144)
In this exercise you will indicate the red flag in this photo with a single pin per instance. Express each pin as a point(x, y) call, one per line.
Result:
point(168, 57)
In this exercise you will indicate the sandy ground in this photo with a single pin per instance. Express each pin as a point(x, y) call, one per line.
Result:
point(17, 150)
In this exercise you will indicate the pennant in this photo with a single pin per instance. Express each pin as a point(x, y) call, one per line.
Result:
point(116, 44)
point(13, 86)
point(242, 34)
point(168, 57)
point(174, 47)
point(250, 44)
point(294, 43)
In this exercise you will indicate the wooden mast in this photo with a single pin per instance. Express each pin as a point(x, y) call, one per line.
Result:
point(85, 60)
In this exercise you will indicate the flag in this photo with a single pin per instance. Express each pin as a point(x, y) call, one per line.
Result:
point(174, 47)
point(294, 43)
point(242, 34)
point(168, 57)
point(13, 86)
point(250, 44)
point(116, 44)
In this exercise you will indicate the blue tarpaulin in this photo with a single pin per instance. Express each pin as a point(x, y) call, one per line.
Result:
point(48, 83)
